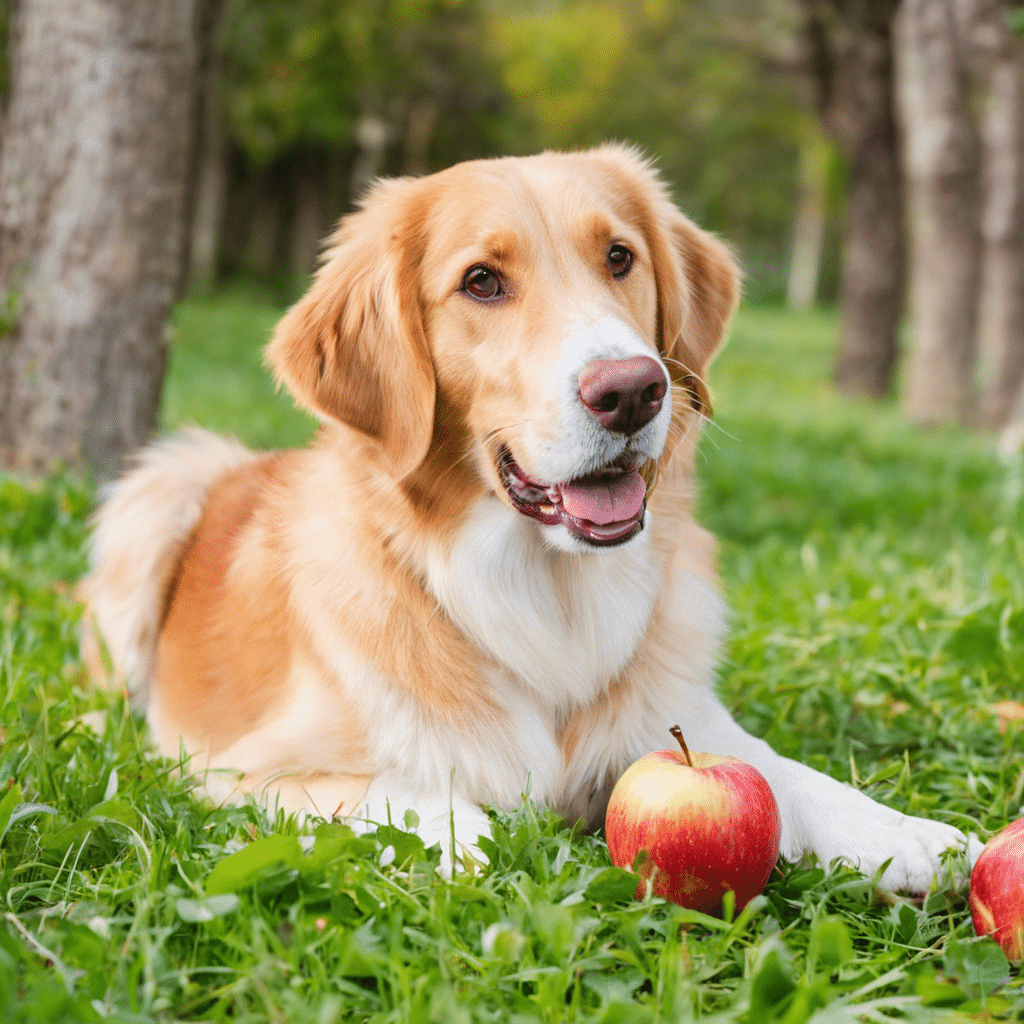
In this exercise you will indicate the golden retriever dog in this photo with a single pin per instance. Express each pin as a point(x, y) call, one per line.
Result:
point(484, 575)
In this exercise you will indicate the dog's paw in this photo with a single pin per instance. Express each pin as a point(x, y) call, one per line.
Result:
point(914, 848)
point(451, 822)
point(844, 823)
point(457, 833)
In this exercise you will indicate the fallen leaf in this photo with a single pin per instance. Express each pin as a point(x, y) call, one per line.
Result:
point(1005, 710)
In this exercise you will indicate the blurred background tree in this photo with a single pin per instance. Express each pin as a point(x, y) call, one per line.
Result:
point(316, 98)
point(849, 49)
point(944, 193)
point(831, 142)
point(311, 99)
point(961, 85)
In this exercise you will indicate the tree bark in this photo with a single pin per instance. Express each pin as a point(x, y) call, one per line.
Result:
point(997, 57)
point(266, 239)
point(419, 129)
point(373, 134)
point(850, 51)
point(210, 196)
point(308, 214)
point(210, 161)
point(808, 225)
point(943, 202)
point(93, 182)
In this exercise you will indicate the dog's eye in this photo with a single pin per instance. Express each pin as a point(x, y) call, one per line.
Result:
point(482, 283)
point(620, 259)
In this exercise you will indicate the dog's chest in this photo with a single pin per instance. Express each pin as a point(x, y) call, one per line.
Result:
point(563, 624)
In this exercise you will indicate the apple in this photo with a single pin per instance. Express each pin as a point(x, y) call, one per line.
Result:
point(693, 826)
point(997, 890)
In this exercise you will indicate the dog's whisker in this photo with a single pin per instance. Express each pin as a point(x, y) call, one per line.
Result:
point(683, 393)
point(492, 434)
point(472, 450)
point(715, 425)
point(468, 453)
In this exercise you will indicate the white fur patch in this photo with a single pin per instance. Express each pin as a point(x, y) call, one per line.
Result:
point(670, 686)
point(565, 625)
point(580, 445)
point(443, 816)
point(488, 760)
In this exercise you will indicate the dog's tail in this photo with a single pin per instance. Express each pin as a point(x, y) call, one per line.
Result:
point(140, 533)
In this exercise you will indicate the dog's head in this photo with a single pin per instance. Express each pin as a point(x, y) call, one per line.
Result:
point(541, 325)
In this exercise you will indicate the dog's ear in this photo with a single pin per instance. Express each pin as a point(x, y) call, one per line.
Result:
point(353, 349)
point(698, 291)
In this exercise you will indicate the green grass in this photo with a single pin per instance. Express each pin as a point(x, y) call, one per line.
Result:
point(217, 378)
point(875, 574)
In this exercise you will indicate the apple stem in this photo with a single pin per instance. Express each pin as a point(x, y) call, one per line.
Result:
point(678, 733)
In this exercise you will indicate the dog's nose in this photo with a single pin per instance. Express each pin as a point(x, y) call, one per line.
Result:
point(623, 395)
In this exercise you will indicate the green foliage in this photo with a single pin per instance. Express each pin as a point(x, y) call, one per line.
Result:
point(980, 966)
point(697, 84)
point(289, 73)
point(705, 87)
point(548, 64)
point(298, 74)
point(876, 578)
point(10, 307)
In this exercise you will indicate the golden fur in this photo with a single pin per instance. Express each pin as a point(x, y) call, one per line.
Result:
point(370, 621)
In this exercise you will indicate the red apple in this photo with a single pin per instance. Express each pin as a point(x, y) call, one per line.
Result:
point(694, 825)
point(997, 890)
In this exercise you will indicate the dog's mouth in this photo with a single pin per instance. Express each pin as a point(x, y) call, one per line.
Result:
point(603, 508)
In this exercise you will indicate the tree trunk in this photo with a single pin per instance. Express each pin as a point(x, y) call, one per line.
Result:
point(943, 202)
point(206, 219)
point(871, 291)
point(266, 243)
point(372, 137)
point(418, 132)
point(208, 210)
point(93, 181)
point(998, 60)
point(850, 49)
point(808, 225)
point(308, 215)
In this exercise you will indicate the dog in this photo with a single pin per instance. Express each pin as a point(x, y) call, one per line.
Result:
point(484, 575)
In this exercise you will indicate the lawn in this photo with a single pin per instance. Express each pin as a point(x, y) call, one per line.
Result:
point(876, 577)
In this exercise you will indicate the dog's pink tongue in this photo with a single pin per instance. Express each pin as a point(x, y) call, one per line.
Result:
point(604, 500)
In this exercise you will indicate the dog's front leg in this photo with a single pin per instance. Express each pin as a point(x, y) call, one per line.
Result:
point(829, 818)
